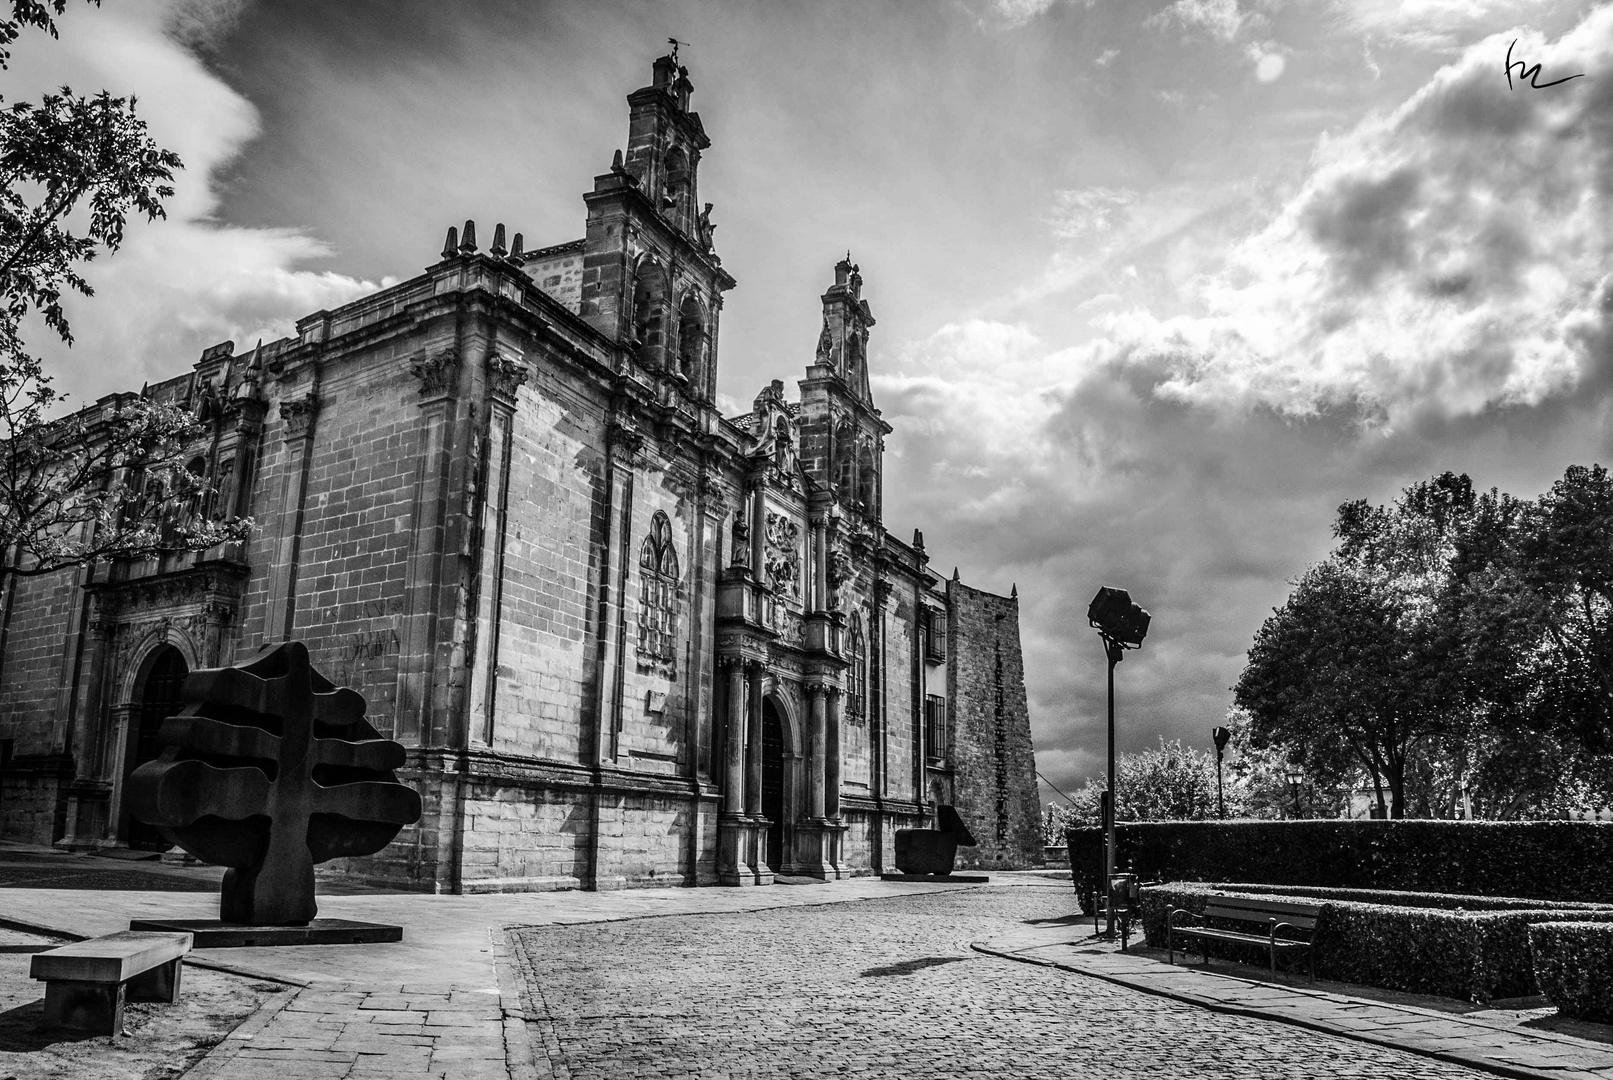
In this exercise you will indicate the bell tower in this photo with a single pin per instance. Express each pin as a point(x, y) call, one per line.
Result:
point(842, 434)
point(652, 280)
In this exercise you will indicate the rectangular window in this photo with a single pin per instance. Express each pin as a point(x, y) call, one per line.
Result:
point(936, 748)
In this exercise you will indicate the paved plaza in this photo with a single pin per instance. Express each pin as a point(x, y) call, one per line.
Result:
point(884, 987)
point(857, 977)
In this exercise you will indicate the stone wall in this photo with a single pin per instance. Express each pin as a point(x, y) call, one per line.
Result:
point(993, 761)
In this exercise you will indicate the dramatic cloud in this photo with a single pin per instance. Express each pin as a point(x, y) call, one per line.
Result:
point(1449, 258)
point(178, 285)
point(1433, 293)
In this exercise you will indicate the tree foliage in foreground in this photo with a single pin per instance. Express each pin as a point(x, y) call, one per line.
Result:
point(107, 482)
point(1452, 643)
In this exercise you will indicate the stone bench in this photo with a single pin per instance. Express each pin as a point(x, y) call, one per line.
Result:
point(87, 982)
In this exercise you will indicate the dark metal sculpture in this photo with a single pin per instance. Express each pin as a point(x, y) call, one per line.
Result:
point(269, 769)
point(932, 851)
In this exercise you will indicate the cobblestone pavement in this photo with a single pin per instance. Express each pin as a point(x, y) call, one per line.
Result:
point(882, 988)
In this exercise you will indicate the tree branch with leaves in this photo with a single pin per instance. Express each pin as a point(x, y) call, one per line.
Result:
point(106, 482)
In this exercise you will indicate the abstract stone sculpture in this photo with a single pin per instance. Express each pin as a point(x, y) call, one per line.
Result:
point(269, 769)
point(931, 851)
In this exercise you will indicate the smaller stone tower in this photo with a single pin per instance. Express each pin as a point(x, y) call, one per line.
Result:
point(842, 434)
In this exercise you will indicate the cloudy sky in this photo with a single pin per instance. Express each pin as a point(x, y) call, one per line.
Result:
point(1158, 285)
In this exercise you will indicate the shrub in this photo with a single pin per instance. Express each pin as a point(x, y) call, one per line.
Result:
point(1543, 860)
point(1400, 898)
point(1470, 955)
point(1573, 964)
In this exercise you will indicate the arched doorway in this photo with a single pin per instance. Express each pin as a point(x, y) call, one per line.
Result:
point(773, 782)
point(159, 699)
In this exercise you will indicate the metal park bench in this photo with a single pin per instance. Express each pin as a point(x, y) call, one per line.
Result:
point(1272, 916)
point(87, 982)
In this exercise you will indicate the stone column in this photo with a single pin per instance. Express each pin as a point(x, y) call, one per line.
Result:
point(753, 744)
point(816, 747)
point(820, 567)
point(734, 751)
point(504, 377)
point(297, 416)
point(831, 757)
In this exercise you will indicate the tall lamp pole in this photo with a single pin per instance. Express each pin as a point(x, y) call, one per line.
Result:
point(1121, 625)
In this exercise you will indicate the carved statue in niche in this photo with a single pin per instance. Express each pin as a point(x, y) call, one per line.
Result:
point(825, 344)
point(840, 573)
point(783, 554)
point(706, 228)
point(740, 541)
point(775, 428)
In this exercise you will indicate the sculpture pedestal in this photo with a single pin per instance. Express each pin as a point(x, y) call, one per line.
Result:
point(741, 851)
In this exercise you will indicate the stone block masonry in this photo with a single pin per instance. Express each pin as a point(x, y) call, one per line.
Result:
point(993, 760)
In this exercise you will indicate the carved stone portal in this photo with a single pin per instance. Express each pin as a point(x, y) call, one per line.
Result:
point(268, 770)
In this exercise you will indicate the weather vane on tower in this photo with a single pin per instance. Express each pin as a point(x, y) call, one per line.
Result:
point(674, 42)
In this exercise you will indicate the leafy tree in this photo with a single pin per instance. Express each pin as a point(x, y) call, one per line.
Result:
point(1173, 782)
point(1347, 672)
point(1565, 564)
point(1257, 784)
point(96, 484)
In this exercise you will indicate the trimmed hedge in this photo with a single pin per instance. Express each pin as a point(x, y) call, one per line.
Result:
point(1574, 967)
point(1469, 955)
point(1540, 860)
point(1398, 898)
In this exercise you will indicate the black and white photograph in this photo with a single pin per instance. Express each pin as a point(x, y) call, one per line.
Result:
point(569, 539)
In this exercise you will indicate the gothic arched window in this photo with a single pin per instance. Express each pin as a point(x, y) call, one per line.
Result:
point(658, 592)
point(857, 690)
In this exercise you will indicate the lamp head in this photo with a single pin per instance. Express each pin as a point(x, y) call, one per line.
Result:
point(1115, 616)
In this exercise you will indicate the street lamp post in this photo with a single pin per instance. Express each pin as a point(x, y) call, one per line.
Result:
point(1221, 736)
point(1295, 778)
point(1121, 625)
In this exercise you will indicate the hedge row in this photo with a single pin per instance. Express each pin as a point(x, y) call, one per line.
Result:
point(1541, 860)
point(1474, 956)
point(1399, 898)
point(1574, 967)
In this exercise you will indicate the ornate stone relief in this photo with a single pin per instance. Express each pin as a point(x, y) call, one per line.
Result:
point(505, 375)
point(298, 414)
point(436, 373)
point(782, 555)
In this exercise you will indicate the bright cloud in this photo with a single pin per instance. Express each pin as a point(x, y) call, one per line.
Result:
point(1449, 258)
point(1219, 18)
point(1267, 57)
point(1434, 24)
point(1433, 292)
point(181, 284)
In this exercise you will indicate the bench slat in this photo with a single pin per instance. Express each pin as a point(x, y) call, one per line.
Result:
point(1300, 916)
point(1282, 906)
point(1233, 935)
point(114, 958)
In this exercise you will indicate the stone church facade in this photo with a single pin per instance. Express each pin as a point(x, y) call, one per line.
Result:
point(626, 640)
